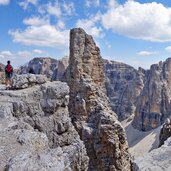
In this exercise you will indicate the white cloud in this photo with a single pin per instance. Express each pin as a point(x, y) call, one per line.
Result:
point(45, 35)
point(147, 21)
point(90, 25)
point(146, 53)
point(90, 3)
point(54, 9)
point(6, 53)
point(4, 2)
point(25, 4)
point(168, 48)
point(36, 21)
point(69, 8)
point(60, 24)
point(38, 51)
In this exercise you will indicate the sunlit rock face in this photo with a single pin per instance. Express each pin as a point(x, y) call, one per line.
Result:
point(153, 105)
point(36, 132)
point(89, 108)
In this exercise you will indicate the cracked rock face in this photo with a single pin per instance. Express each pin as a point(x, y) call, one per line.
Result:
point(123, 84)
point(36, 132)
point(154, 103)
point(97, 124)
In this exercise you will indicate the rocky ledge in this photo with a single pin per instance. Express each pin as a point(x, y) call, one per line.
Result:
point(36, 132)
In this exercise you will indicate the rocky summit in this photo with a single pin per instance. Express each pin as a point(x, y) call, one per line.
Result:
point(89, 108)
point(36, 132)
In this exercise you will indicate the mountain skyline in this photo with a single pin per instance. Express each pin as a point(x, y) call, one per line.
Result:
point(137, 33)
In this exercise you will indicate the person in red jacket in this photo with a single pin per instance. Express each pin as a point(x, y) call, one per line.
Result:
point(8, 74)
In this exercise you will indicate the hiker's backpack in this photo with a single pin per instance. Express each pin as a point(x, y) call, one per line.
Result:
point(9, 69)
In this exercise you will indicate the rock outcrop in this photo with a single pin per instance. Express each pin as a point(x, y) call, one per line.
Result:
point(27, 80)
point(89, 108)
point(36, 132)
point(165, 132)
point(154, 104)
point(157, 160)
point(52, 68)
point(123, 84)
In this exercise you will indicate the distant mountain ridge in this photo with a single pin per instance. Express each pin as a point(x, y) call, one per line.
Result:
point(145, 93)
point(50, 67)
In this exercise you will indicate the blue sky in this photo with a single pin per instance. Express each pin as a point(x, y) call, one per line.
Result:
point(136, 32)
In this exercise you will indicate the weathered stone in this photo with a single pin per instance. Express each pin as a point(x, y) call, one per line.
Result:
point(27, 80)
point(89, 108)
point(39, 136)
point(165, 132)
point(157, 160)
point(153, 105)
point(123, 84)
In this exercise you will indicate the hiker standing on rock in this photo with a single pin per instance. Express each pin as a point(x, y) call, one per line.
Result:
point(8, 75)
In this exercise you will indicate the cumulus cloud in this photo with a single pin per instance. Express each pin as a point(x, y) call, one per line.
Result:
point(36, 21)
point(168, 48)
point(47, 27)
point(4, 2)
point(146, 53)
point(147, 21)
point(90, 25)
point(54, 9)
point(90, 3)
point(45, 35)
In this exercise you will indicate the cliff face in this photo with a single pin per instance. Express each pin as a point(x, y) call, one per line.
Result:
point(103, 135)
point(36, 132)
point(124, 84)
point(153, 105)
point(52, 68)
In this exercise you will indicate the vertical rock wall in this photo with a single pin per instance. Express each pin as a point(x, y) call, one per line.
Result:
point(89, 108)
